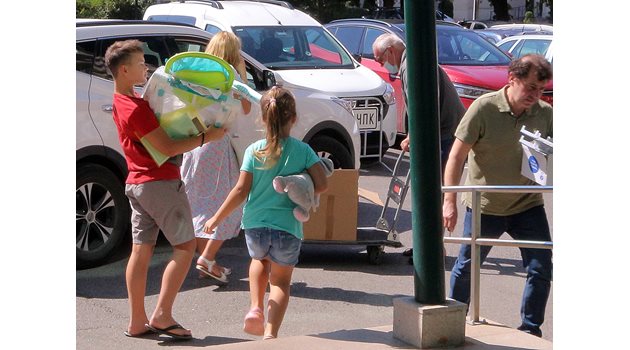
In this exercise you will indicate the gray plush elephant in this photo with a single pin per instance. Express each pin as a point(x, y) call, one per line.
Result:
point(300, 190)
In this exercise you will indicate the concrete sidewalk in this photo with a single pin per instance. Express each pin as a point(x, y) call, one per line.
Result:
point(487, 336)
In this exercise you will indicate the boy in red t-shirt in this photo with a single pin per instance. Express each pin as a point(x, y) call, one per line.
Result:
point(156, 193)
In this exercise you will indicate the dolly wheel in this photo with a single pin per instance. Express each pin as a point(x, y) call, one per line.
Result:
point(375, 254)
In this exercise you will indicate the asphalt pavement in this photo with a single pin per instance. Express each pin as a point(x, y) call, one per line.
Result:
point(334, 287)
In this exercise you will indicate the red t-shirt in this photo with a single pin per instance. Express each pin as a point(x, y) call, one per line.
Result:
point(134, 119)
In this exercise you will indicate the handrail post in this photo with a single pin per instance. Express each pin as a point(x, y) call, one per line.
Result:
point(476, 241)
point(475, 256)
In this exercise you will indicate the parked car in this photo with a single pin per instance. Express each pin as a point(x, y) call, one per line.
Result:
point(520, 45)
point(486, 34)
point(398, 13)
point(102, 209)
point(301, 55)
point(524, 27)
point(507, 30)
point(473, 64)
point(491, 36)
point(472, 24)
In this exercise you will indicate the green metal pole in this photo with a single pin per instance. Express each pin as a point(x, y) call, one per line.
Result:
point(426, 184)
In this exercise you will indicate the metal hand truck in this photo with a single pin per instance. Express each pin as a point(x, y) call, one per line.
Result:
point(383, 234)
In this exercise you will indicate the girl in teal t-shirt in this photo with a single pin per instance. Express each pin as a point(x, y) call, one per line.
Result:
point(272, 233)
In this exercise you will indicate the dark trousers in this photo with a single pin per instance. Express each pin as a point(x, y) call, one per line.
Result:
point(529, 225)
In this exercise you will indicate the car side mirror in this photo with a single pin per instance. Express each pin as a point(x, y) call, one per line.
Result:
point(393, 76)
point(269, 79)
point(357, 57)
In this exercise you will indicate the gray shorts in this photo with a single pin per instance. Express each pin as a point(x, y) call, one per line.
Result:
point(160, 205)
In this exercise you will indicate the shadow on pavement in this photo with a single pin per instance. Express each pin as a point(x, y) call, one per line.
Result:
point(108, 281)
point(302, 290)
point(366, 336)
point(200, 342)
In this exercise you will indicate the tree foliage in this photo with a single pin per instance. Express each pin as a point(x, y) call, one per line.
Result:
point(113, 9)
point(325, 11)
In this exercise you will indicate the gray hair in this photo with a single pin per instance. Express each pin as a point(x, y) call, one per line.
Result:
point(387, 40)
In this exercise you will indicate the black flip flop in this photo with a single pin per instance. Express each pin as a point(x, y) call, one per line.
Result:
point(166, 330)
point(148, 332)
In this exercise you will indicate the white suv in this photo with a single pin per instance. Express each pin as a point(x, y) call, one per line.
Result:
point(102, 219)
point(301, 54)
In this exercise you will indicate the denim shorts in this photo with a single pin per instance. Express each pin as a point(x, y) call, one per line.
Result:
point(281, 247)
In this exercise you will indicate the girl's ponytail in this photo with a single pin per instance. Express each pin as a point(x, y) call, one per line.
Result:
point(278, 109)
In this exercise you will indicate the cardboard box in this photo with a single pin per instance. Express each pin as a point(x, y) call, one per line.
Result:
point(537, 166)
point(336, 216)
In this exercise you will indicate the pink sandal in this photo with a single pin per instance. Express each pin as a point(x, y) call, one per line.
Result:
point(254, 322)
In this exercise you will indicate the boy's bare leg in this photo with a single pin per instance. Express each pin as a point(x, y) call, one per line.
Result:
point(172, 279)
point(258, 279)
point(280, 288)
point(136, 277)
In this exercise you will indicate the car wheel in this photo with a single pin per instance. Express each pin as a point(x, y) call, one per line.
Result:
point(102, 214)
point(328, 147)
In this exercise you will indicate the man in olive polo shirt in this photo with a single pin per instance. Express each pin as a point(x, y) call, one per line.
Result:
point(488, 135)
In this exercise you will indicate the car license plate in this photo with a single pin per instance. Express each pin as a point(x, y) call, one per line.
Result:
point(367, 118)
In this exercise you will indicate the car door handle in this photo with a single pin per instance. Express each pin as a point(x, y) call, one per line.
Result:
point(107, 108)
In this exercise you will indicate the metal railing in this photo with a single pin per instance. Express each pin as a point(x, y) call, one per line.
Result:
point(371, 103)
point(477, 242)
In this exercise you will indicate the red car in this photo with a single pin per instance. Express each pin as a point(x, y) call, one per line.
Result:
point(474, 65)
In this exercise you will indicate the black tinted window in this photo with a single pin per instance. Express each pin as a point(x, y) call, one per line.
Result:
point(458, 46)
point(370, 36)
point(155, 55)
point(176, 19)
point(185, 44)
point(85, 56)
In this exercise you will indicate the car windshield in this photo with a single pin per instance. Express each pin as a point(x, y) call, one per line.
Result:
point(463, 47)
point(284, 47)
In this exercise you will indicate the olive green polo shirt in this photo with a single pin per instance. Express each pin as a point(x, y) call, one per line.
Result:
point(495, 158)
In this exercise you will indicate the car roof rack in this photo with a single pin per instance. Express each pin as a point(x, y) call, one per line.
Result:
point(372, 20)
point(217, 4)
point(276, 2)
point(110, 22)
point(213, 3)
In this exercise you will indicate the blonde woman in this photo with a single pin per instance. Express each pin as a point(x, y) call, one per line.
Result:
point(209, 173)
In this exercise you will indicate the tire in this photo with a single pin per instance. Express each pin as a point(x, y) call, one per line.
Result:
point(328, 147)
point(375, 254)
point(103, 214)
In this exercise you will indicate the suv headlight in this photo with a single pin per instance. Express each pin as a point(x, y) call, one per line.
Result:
point(343, 103)
point(388, 95)
point(470, 91)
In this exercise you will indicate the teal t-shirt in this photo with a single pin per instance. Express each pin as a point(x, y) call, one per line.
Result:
point(265, 207)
